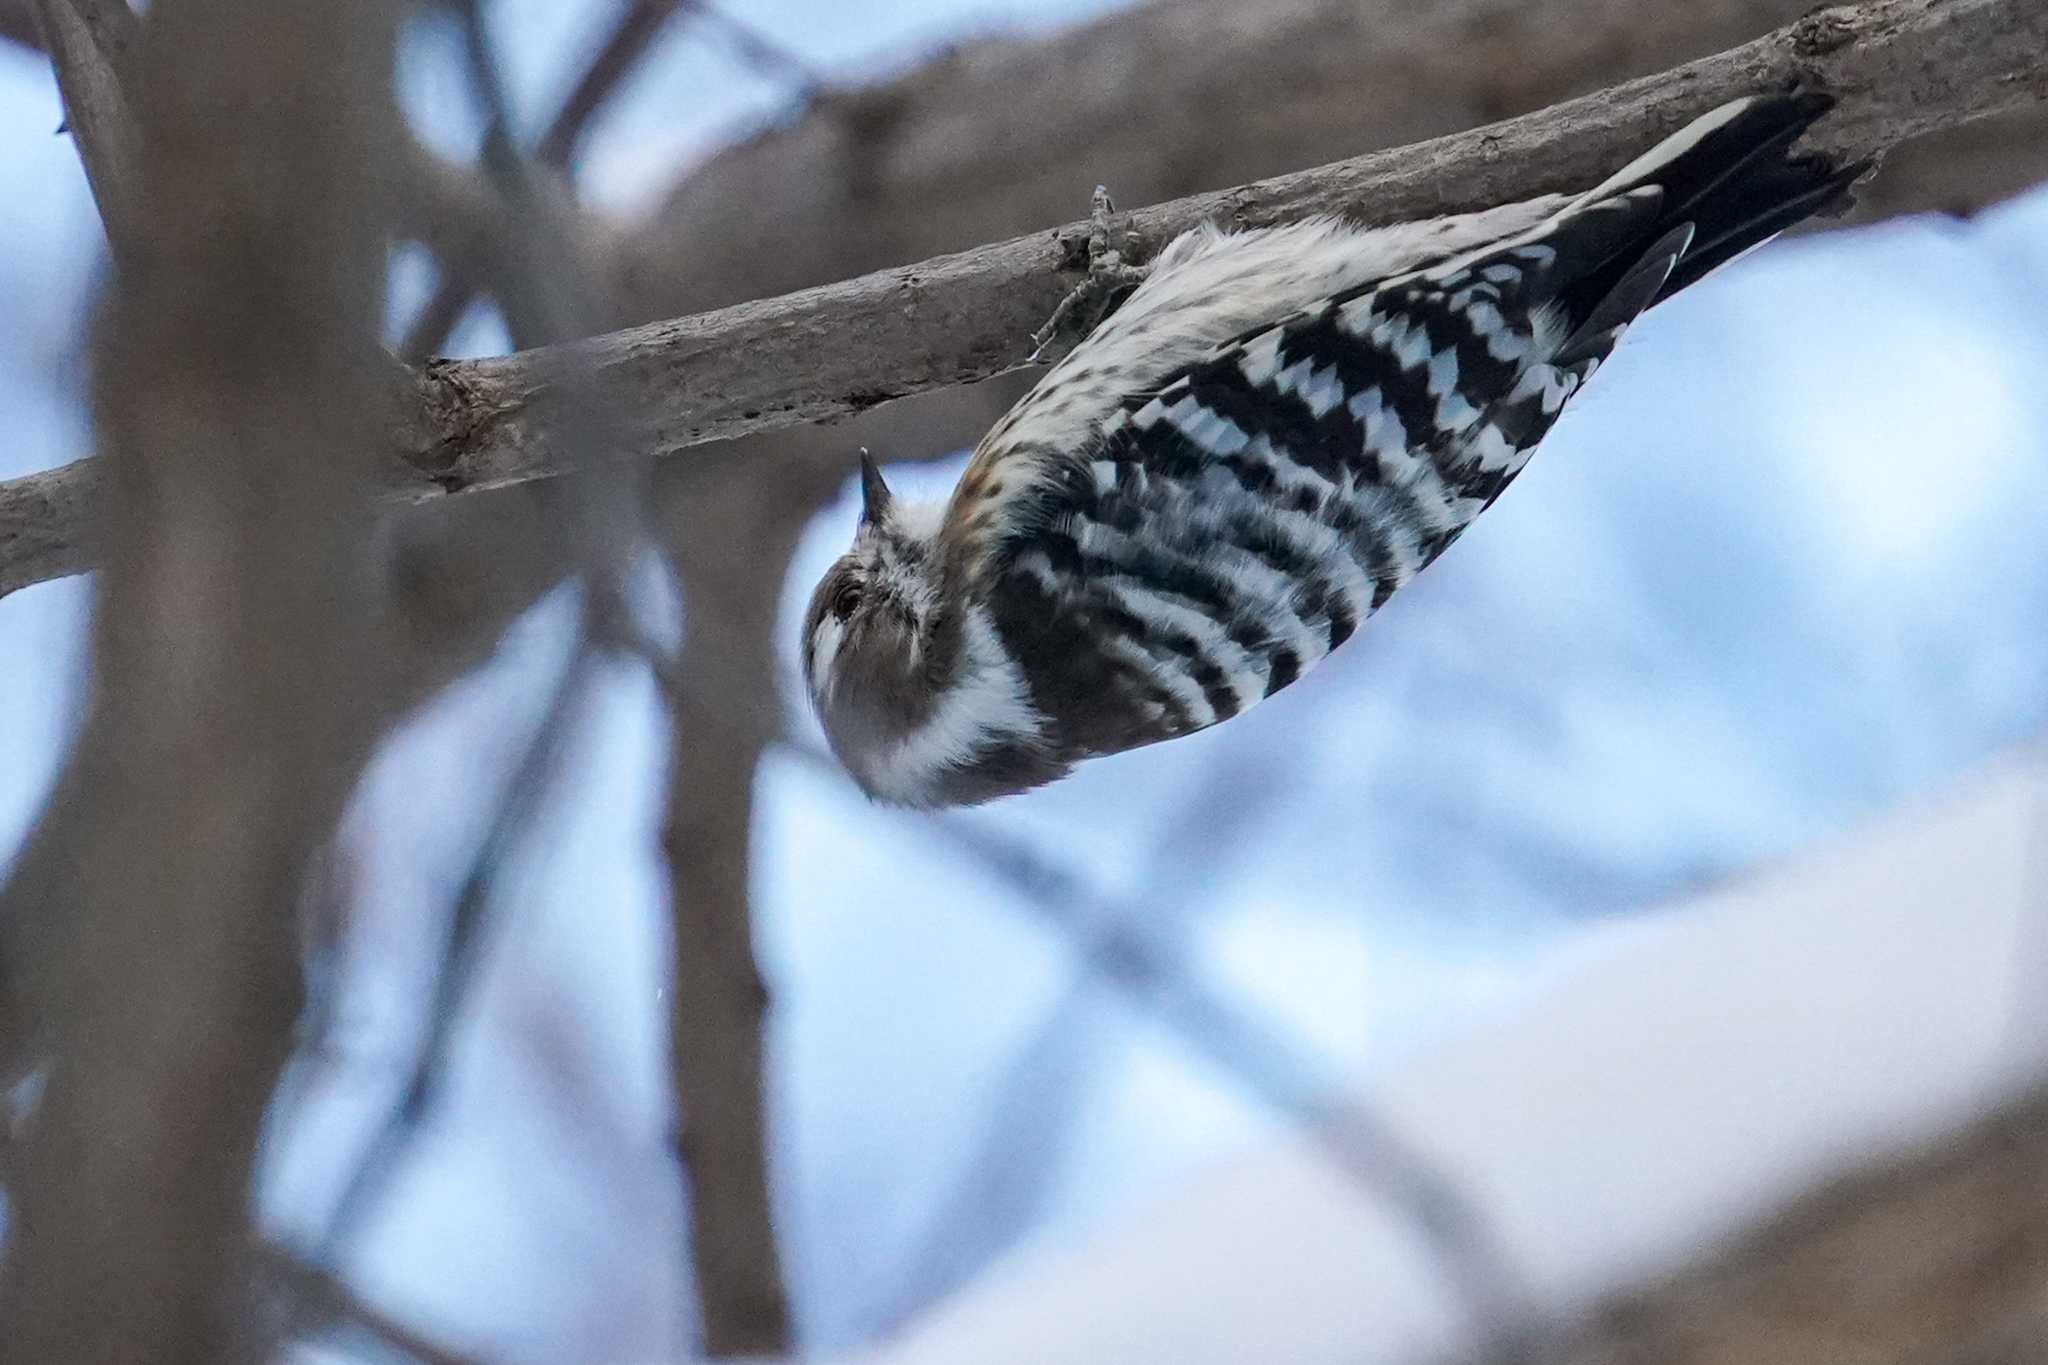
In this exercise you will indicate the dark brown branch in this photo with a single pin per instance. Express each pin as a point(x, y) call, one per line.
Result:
point(1899, 67)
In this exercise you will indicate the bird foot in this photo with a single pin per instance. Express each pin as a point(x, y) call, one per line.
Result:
point(1109, 278)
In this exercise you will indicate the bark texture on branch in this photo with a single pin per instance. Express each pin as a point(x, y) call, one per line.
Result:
point(1900, 68)
point(1004, 135)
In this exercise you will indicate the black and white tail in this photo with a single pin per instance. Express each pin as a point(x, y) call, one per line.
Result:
point(1727, 175)
point(1515, 328)
point(1719, 187)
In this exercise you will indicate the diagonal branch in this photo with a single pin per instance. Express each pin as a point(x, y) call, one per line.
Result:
point(88, 42)
point(1114, 947)
point(1900, 68)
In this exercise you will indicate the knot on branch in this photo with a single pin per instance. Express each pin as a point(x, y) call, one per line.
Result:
point(450, 413)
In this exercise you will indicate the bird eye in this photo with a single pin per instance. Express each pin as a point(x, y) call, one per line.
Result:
point(846, 599)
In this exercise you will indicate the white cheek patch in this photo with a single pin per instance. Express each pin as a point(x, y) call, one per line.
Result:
point(824, 647)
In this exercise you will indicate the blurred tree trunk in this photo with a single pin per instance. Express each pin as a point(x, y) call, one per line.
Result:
point(237, 375)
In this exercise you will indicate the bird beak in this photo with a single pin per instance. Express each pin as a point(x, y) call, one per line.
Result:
point(874, 494)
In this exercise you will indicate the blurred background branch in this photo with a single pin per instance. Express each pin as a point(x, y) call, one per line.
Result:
point(324, 1303)
point(729, 539)
point(639, 24)
point(88, 42)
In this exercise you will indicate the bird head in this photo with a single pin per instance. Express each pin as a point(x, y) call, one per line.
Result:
point(876, 637)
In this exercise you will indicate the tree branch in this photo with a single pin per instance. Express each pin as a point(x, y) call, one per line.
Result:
point(88, 42)
point(730, 541)
point(1900, 68)
point(46, 522)
point(935, 160)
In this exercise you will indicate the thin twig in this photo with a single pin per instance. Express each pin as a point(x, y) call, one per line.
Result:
point(639, 24)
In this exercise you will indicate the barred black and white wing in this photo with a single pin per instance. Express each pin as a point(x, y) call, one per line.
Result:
point(1228, 523)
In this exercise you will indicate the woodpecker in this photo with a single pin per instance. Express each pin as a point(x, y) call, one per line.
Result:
point(1276, 431)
